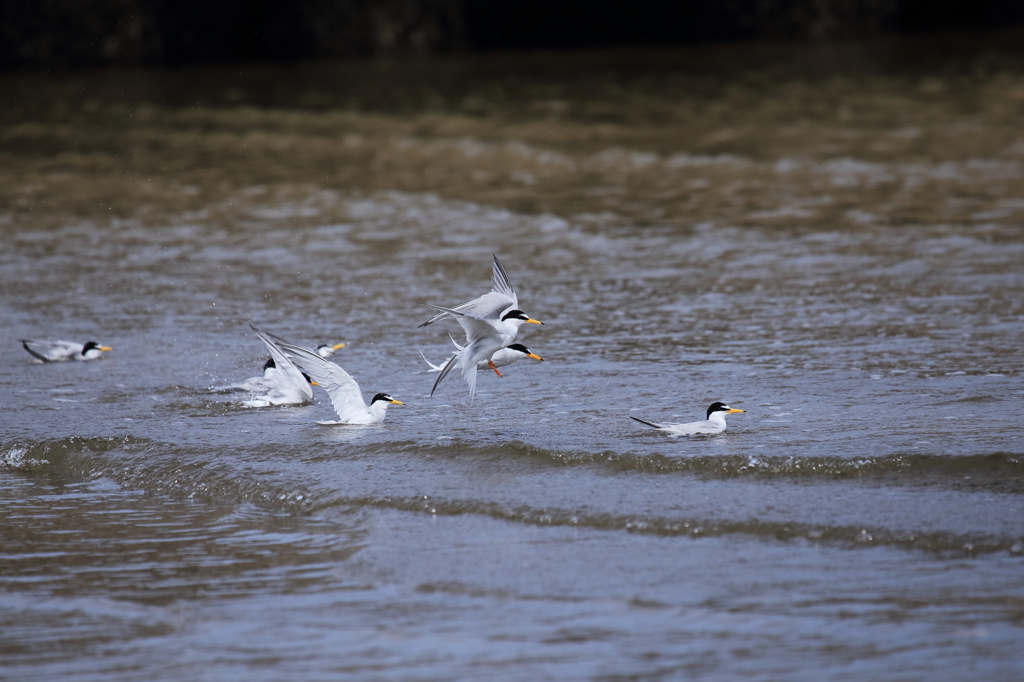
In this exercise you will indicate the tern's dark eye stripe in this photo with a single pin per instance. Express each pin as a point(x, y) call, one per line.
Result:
point(517, 314)
point(519, 347)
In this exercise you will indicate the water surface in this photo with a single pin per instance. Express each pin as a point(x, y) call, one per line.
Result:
point(838, 256)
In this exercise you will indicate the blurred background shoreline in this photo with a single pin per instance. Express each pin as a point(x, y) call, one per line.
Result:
point(672, 136)
point(91, 33)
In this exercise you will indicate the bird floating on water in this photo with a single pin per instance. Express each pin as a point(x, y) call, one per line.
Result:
point(64, 351)
point(715, 422)
point(326, 350)
point(342, 389)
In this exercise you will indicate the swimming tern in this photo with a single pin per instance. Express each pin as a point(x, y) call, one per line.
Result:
point(342, 389)
point(63, 351)
point(715, 422)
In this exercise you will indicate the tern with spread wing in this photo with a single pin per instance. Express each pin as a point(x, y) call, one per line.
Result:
point(502, 358)
point(484, 338)
point(342, 389)
point(491, 323)
point(324, 350)
point(282, 382)
point(63, 351)
point(715, 422)
point(499, 300)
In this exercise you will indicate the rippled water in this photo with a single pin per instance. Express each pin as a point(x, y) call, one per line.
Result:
point(864, 519)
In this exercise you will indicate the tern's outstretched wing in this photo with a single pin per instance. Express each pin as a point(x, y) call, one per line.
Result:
point(490, 305)
point(452, 361)
point(500, 283)
point(476, 327)
point(342, 388)
point(501, 298)
point(289, 373)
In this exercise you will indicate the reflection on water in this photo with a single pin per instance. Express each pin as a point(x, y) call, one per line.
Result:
point(836, 252)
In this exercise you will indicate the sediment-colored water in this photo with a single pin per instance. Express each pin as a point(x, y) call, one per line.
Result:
point(839, 254)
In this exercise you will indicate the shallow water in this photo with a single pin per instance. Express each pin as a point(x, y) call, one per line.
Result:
point(863, 519)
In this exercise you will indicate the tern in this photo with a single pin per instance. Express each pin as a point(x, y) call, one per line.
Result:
point(491, 323)
point(63, 351)
point(326, 350)
point(501, 298)
point(342, 389)
point(484, 338)
point(282, 382)
point(715, 423)
point(502, 358)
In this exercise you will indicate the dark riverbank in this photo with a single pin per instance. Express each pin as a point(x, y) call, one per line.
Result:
point(93, 33)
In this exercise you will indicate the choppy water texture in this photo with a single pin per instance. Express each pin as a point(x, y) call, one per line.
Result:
point(838, 255)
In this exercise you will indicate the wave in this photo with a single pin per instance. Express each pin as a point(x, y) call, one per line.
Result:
point(1002, 471)
point(192, 473)
point(999, 469)
point(941, 543)
point(154, 467)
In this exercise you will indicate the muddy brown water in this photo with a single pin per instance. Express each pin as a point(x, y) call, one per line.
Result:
point(837, 251)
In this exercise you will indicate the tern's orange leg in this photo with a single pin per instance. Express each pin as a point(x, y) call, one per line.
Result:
point(491, 365)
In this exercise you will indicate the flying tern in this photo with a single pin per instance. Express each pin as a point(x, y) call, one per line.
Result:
point(502, 358)
point(499, 300)
point(491, 323)
point(63, 351)
point(715, 422)
point(342, 389)
point(484, 338)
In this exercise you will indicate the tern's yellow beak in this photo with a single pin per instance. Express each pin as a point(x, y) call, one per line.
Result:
point(337, 346)
point(535, 357)
point(313, 383)
point(533, 321)
point(733, 411)
point(396, 402)
point(104, 348)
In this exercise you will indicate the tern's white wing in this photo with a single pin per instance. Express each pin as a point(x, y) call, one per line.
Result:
point(489, 306)
point(691, 429)
point(288, 376)
point(694, 428)
point(500, 283)
point(51, 351)
point(476, 327)
point(500, 299)
point(342, 388)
